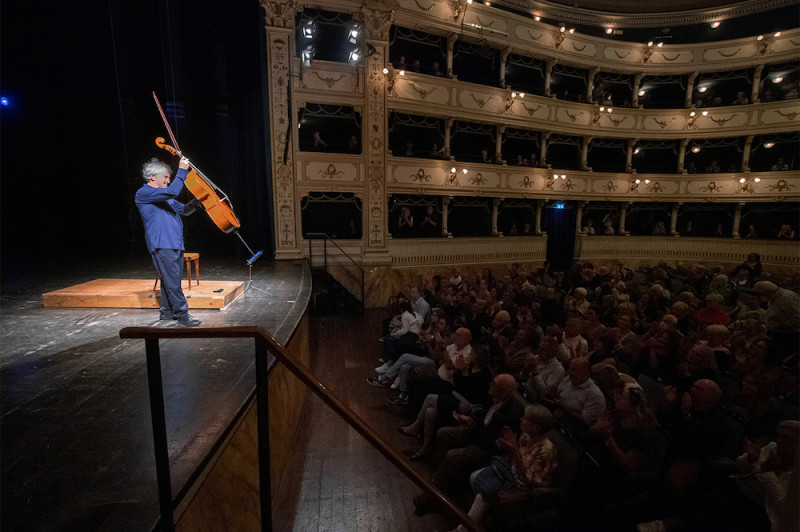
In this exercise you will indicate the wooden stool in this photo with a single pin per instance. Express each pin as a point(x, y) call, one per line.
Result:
point(188, 259)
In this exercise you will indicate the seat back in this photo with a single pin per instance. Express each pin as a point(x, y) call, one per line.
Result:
point(569, 459)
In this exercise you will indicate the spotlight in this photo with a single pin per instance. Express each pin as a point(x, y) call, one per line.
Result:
point(355, 55)
point(308, 55)
point(715, 24)
point(308, 29)
point(609, 31)
point(353, 35)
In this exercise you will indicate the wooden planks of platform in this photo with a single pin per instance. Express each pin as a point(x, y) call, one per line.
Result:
point(139, 293)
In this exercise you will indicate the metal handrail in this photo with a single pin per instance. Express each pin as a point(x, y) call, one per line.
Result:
point(325, 237)
point(264, 343)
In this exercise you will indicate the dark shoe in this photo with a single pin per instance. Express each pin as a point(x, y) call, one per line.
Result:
point(166, 316)
point(399, 400)
point(419, 455)
point(188, 321)
point(404, 433)
point(422, 503)
point(376, 381)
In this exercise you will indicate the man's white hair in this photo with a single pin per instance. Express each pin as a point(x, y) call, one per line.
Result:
point(154, 167)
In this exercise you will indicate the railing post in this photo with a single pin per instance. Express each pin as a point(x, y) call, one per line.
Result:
point(158, 417)
point(262, 407)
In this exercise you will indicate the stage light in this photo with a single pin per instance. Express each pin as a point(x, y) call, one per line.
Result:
point(715, 24)
point(308, 29)
point(308, 55)
point(353, 35)
point(4, 101)
point(355, 55)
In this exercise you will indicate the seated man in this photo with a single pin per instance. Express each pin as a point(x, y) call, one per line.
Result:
point(578, 398)
point(468, 446)
point(545, 369)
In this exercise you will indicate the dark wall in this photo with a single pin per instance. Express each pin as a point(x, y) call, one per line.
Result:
point(81, 119)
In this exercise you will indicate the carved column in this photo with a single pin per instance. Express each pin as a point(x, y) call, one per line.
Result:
point(376, 29)
point(448, 128)
point(737, 220)
point(451, 41)
point(682, 155)
point(623, 211)
point(673, 220)
point(550, 64)
point(637, 83)
point(498, 144)
point(585, 153)
point(690, 88)
point(538, 222)
point(543, 148)
point(755, 92)
point(280, 51)
point(590, 83)
point(495, 209)
point(503, 58)
point(748, 143)
point(445, 208)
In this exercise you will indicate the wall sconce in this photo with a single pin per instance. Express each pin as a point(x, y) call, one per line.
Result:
point(510, 99)
point(453, 179)
point(389, 74)
point(695, 149)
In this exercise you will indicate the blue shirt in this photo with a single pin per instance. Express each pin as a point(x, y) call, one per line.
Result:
point(161, 213)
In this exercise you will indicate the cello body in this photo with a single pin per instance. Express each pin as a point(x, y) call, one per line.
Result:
point(220, 212)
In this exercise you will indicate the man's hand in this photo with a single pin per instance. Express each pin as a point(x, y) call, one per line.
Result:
point(184, 163)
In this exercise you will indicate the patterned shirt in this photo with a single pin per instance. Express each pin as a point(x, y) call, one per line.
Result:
point(539, 462)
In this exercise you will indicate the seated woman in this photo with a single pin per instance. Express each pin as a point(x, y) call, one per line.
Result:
point(626, 438)
point(404, 339)
point(512, 356)
point(470, 388)
point(529, 462)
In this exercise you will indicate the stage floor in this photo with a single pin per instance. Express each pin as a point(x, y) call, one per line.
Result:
point(76, 447)
point(139, 293)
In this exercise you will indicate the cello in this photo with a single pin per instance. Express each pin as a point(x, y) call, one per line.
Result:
point(201, 187)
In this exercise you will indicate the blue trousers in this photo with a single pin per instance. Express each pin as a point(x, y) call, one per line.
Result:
point(169, 263)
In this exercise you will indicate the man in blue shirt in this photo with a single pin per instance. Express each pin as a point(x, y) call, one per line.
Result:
point(163, 229)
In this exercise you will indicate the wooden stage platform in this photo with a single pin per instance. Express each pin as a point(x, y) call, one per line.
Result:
point(139, 293)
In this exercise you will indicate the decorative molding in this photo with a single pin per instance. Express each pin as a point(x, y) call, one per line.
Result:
point(280, 13)
point(421, 176)
point(329, 82)
point(712, 187)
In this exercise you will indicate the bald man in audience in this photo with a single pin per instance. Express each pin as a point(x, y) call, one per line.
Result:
point(579, 400)
point(469, 445)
